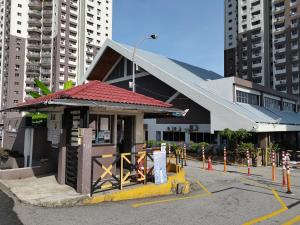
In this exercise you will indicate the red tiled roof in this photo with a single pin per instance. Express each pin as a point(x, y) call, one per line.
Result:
point(99, 91)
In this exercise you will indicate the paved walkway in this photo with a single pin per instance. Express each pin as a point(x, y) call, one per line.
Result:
point(43, 191)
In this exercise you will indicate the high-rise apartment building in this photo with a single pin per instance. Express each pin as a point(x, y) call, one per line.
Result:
point(262, 42)
point(51, 40)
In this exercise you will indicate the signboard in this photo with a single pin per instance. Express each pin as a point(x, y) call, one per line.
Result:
point(163, 147)
point(54, 128)
point(160, 170)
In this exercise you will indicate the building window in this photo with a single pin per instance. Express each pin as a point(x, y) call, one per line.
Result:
point(289, 107)
point(102, 126)
point(20, 5)
point(248, 98)
point(271, 103)
point(198, 137)
point(173, 136)
point(19, 31)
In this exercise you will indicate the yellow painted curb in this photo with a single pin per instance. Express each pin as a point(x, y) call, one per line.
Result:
point(144, 191)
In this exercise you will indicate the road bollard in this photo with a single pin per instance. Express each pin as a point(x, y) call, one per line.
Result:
point(209, 165)
point(288, 176)
point(181, 156)
point(283, 169)
point(225, 160)
point(203, 158)
point(273, 167)
point(184, 152)
point(248, 162)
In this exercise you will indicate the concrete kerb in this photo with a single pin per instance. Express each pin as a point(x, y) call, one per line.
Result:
point(144, 191)
point(175, 182)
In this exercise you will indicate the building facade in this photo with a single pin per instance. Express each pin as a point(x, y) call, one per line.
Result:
point(262, 43)
point(212, 103)
point(51, 40)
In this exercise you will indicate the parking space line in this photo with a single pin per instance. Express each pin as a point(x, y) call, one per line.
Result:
point(272, 214)
point(202, 186)
point(292, 221)
point(207, 193)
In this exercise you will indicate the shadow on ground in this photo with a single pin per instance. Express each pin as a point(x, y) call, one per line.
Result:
point(7, 215)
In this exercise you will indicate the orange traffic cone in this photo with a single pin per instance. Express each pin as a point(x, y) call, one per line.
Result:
point(209, 164)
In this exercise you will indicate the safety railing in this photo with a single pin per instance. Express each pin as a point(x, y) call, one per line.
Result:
point(108, 179)
point(133, 168)
point(120, 170)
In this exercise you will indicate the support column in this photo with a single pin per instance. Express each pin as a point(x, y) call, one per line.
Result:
point(61, 171)
point(84, 161)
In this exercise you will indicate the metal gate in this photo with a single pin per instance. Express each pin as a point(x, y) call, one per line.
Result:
point(72, 121)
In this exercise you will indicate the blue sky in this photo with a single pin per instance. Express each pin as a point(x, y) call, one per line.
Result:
point(188, 30)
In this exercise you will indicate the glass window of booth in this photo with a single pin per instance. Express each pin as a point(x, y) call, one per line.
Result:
point(102, 126)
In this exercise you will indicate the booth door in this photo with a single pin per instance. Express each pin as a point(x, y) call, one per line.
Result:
point(125, 134)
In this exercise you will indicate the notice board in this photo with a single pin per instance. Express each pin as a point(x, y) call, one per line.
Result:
point(160, 170)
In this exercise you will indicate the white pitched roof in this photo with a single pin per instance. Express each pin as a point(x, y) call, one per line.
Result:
point(188, 80)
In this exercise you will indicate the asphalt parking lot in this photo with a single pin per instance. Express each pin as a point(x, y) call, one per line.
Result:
point(216, 198)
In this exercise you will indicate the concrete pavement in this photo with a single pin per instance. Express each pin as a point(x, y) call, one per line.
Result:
point(235, 199)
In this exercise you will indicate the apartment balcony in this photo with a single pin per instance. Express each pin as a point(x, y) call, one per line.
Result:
point(37, 5)
point(257, 74)
point(33, 55)
point(33, 75)
point(277, 40)
point(294, 36)
point(278, 29)
point(46, 54)
point(293, 4)
point(295, 68)
point(47, 13)
point(280, 50)
point(279, 19)
point(278, 9)
point(295, 57)
point(294, 25)
point(46, 81)
point(34, 22)
point(279, 71)
point(257, 45)
point(295, 80)
point(35, 13)
point(295, 91)
point(29, 80)
point(294, 47)
point(280, 82)
point(47, 30)
point(36, 38)
point(45, 72)
point(283, 60)
point(47, 4)
point(257, 65)
point(32, 67)
point(46, 46)
point(33, 46)
point(34, 29)
point(46, 38)
point(46, 62)
point(47, 22)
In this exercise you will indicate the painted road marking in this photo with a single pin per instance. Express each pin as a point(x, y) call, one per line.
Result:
point(207, 193)
point(167, 200)
point(292, 221)
point(272, 214)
